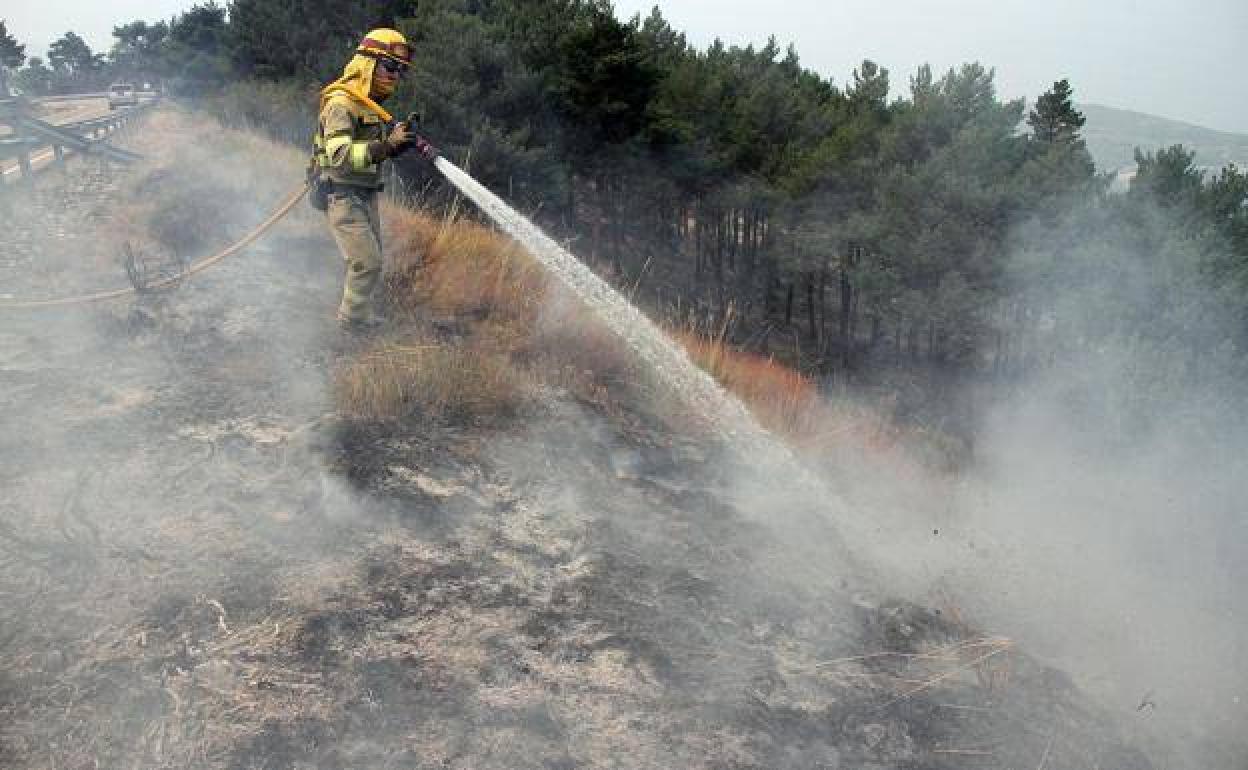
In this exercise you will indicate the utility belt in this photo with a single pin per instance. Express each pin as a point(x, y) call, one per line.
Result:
point(320, 187)
point(342, 187)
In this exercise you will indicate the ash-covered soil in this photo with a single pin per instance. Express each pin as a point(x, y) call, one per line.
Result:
point(202, 566)
point(63, 209)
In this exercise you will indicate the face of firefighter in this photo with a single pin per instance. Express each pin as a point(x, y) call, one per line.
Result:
point(385, 78)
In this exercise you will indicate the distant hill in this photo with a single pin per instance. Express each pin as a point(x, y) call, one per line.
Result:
point(1113, 134)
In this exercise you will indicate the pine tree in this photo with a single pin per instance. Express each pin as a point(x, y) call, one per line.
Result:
point(12, 54)
point(308, 39)
point(1060, 162)
point(196, 50)
point(1169, 176)
point(869, 92)
point(73, 62)
point(136, 52)
point(1055, 118)
point(35, 78)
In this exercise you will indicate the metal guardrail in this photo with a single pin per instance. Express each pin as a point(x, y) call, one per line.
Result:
point(103, 121)
point(84, 136)
point(69, 135)
point(68, 97)
point(92, 95)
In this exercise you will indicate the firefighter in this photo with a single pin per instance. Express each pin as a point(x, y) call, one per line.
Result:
point(352, 141)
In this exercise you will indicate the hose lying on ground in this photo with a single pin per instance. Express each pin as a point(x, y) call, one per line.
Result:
point(198, 267)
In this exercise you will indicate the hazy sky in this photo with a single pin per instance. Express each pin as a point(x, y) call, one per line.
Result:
point(1181, 60)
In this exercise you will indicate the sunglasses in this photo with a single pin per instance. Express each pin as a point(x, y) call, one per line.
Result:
point(393, 67)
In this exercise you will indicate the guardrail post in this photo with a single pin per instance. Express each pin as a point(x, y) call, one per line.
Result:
point(23, 162)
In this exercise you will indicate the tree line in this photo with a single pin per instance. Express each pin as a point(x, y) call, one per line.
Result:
point(825, 222)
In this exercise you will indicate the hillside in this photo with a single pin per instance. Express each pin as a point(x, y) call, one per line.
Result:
point(486, 539)
point(1113, 134)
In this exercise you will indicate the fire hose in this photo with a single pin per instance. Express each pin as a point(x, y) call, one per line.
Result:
point(198, 267)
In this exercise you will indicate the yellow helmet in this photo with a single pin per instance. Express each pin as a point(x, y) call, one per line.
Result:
point(386, 44)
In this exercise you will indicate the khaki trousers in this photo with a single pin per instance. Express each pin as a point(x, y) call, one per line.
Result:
point(356, 225)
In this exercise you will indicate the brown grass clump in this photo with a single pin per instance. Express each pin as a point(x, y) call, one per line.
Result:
point(790, 404)
point(782, 399)
point(392, 381)
point(488, 286)
point(458, 267)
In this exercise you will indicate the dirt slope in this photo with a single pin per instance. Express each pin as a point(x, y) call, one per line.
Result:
point(202, 566)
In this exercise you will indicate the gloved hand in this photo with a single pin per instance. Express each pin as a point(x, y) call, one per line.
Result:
point(397, 142)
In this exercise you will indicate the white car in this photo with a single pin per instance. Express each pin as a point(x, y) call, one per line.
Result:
point(122, 95)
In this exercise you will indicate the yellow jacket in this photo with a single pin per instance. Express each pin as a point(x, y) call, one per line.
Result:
point(349, 121)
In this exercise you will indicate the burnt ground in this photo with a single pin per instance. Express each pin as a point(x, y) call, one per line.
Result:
point(202, 566)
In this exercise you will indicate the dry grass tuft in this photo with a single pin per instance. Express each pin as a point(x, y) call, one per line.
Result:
point(784, 401)
point(821, 425)
point(905, 675)
point(462, 271)
point(458, 267)
point(392, 381)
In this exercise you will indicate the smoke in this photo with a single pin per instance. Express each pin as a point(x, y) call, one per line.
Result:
point(1120, 560)
point(1120, 471)
point(153, 496)
point(1101, 524)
